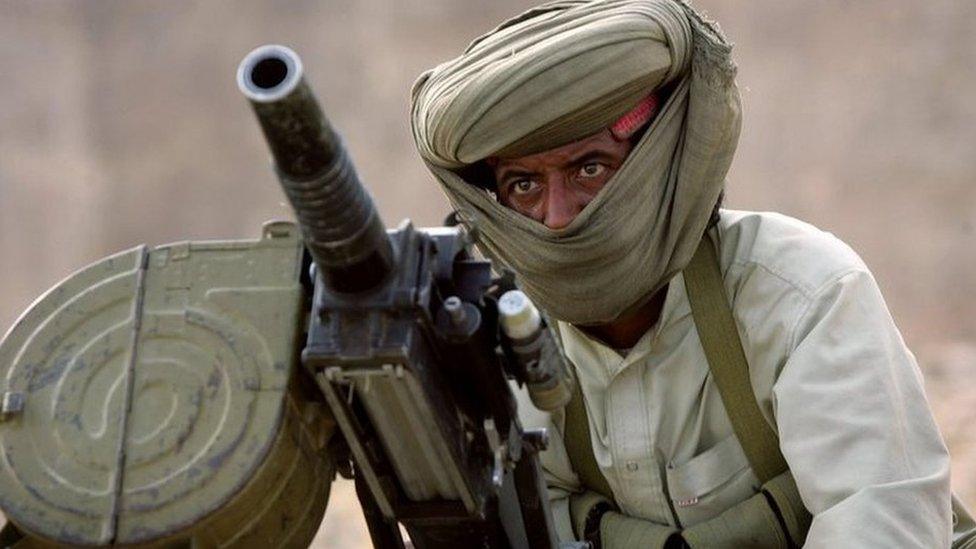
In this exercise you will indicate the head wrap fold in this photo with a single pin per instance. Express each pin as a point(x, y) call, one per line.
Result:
point(559, 73)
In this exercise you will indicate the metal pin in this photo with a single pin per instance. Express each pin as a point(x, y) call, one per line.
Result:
point(455, 309)
point(498, 450)
point(11, 404)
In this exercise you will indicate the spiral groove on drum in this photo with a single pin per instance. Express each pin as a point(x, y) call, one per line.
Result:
point(68, 355)
point(218, 377)
point(206, 361)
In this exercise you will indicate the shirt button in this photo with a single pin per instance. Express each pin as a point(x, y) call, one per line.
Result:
point(631, 466)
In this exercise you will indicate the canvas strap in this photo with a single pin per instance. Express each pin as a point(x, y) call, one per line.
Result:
point(730, 370)
point(727, 362)
point(579, 447)
point(773, 515)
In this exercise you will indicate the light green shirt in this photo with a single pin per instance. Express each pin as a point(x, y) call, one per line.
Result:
point(831, 374)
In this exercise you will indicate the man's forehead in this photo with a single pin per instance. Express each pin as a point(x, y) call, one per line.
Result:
point(600, 142)
point(620, 131)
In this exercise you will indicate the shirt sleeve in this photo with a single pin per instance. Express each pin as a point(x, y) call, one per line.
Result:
point(856, 428)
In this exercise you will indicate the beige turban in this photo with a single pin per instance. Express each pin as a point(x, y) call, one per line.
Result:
point(562, 72)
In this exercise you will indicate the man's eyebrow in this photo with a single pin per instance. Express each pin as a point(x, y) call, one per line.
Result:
point(506, 173)
point(581, 158)
point(591, 155)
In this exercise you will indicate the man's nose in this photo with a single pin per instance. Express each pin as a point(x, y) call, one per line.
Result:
point(561, 205)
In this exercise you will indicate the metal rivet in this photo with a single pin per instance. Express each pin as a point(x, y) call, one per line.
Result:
point(455, 309)
point(12, 403)
point(632, 466)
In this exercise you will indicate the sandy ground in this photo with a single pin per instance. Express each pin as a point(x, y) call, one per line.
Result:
point(949, 385)
point(343, 526)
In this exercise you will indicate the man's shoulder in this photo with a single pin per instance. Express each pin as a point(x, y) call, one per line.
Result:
point(797, 253)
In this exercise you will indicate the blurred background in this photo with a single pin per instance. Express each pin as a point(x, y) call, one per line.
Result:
point(120, 124)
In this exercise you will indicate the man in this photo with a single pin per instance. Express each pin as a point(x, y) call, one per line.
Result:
point(588, 142)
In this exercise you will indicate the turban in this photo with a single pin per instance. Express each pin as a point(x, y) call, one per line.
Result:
point(564, 71)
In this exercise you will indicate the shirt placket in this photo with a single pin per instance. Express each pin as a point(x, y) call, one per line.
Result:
point(636, 469)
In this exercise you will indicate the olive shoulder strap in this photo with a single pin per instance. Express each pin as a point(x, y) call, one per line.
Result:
point(579, 447)
point(730, 370)
point(727, 362)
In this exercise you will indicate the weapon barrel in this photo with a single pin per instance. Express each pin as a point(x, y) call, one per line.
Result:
point(342, 229)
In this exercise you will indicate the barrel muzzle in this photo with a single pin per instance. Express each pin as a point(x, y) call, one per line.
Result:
point(342, 230)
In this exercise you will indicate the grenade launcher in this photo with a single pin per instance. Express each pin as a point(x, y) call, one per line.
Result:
point(406, 344)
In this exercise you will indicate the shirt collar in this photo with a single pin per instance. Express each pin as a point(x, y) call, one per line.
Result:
point(587, 352)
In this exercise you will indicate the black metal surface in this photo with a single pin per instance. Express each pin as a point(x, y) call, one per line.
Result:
point(532, 494)
point(394, 326)
point(384, 533)
point(463, 382)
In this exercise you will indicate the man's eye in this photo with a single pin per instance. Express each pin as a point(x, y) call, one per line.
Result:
point(522, 186)
point(593, 169)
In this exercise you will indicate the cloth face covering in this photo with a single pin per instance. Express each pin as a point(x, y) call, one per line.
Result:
point(559, 73)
